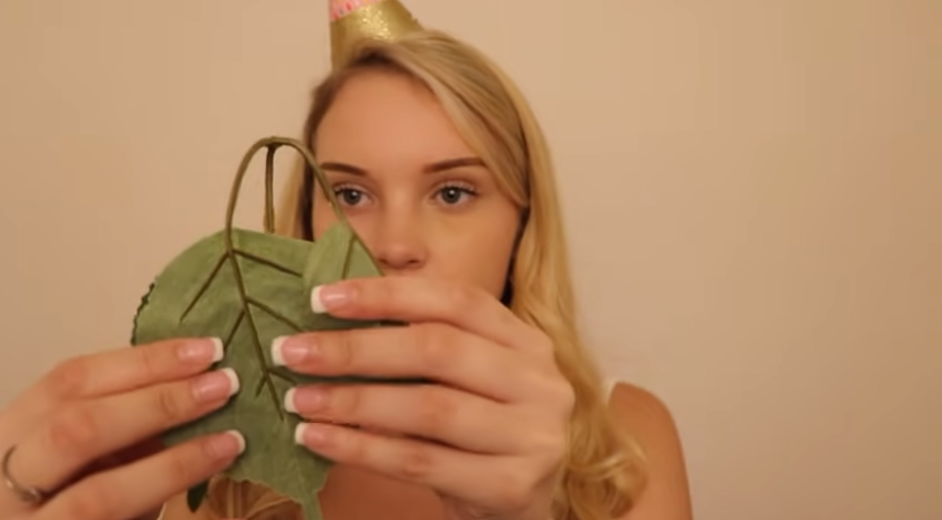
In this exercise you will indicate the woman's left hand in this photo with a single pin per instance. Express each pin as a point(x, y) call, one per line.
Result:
point(489, 438)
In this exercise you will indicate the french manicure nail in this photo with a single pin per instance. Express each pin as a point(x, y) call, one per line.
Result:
point(309, 434)
point(226, 446)
point(308, 399)
point(289, 401)
point(201, 351)
point(329, 297)
point(216, 385)
point(284, 352)
point(299, 433)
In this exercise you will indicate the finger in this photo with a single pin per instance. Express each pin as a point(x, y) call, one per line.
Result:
point(122, 457)
point(117, 370)
point(488, 481)
point(432, 351)
point(86, 431)
point(412, 299)
point(137, 488)
point(435, 412)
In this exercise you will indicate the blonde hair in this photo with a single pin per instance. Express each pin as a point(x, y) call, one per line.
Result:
point(603, 472)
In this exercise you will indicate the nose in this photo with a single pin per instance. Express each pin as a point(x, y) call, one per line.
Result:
point(399, 244)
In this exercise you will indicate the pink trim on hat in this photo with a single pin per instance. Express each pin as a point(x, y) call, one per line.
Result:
point(341, 8)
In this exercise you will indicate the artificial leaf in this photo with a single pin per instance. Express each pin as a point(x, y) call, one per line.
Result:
point(196, 494)
point(248, 288)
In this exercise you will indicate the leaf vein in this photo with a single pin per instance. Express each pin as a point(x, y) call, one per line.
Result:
point(267, 262)
point(275, 314)
point(266, 379)
point(347, 258)
point(204, 287)
point(235, 329)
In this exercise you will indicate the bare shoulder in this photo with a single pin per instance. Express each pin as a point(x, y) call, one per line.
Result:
point(641, 410)
point(646, 417)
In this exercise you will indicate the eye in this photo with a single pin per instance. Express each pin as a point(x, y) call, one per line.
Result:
point(349, 196)
point(453, 194)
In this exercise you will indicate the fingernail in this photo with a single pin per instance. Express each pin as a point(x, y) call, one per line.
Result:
point(325, 298)
point(289, 401)
point(284, 352)
point(215, 386)
point(226, 446)
point(309, 434)
point(305, 400)
point(201, 351)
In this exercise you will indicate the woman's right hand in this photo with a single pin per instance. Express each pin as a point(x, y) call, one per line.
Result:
point(88, 432)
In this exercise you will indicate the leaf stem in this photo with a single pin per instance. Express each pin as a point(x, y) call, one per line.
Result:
point(270, 190)
point(272, 144)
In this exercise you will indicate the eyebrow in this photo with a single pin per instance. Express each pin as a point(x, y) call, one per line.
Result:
point(435, 167)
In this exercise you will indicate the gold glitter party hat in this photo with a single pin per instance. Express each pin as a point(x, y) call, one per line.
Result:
point(355, 20)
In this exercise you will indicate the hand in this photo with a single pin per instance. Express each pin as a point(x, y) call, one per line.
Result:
point(489, 438)
point(86, 433)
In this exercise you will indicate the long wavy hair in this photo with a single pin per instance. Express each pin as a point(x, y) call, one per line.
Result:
point(604, 470)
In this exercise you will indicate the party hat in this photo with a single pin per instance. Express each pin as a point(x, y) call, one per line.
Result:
point(355, 20)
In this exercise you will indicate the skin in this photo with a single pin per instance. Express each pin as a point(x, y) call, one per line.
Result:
point(442, 231)
point(95, 417)
point(667, 495)
point(447, 254)
point(420, 199)
point(485, 444)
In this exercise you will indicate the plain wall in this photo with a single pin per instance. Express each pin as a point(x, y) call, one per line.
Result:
point(753, 192)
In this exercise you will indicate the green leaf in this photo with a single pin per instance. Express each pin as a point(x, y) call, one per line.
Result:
point(195, 495)
point(247, 288)
point(248, 297)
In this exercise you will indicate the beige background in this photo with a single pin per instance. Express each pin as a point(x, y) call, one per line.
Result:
point(752, 189)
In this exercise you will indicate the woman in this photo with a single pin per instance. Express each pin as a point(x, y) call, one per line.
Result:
point(443, 171)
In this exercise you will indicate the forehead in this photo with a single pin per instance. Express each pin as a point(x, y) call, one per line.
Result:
point(387, 119)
